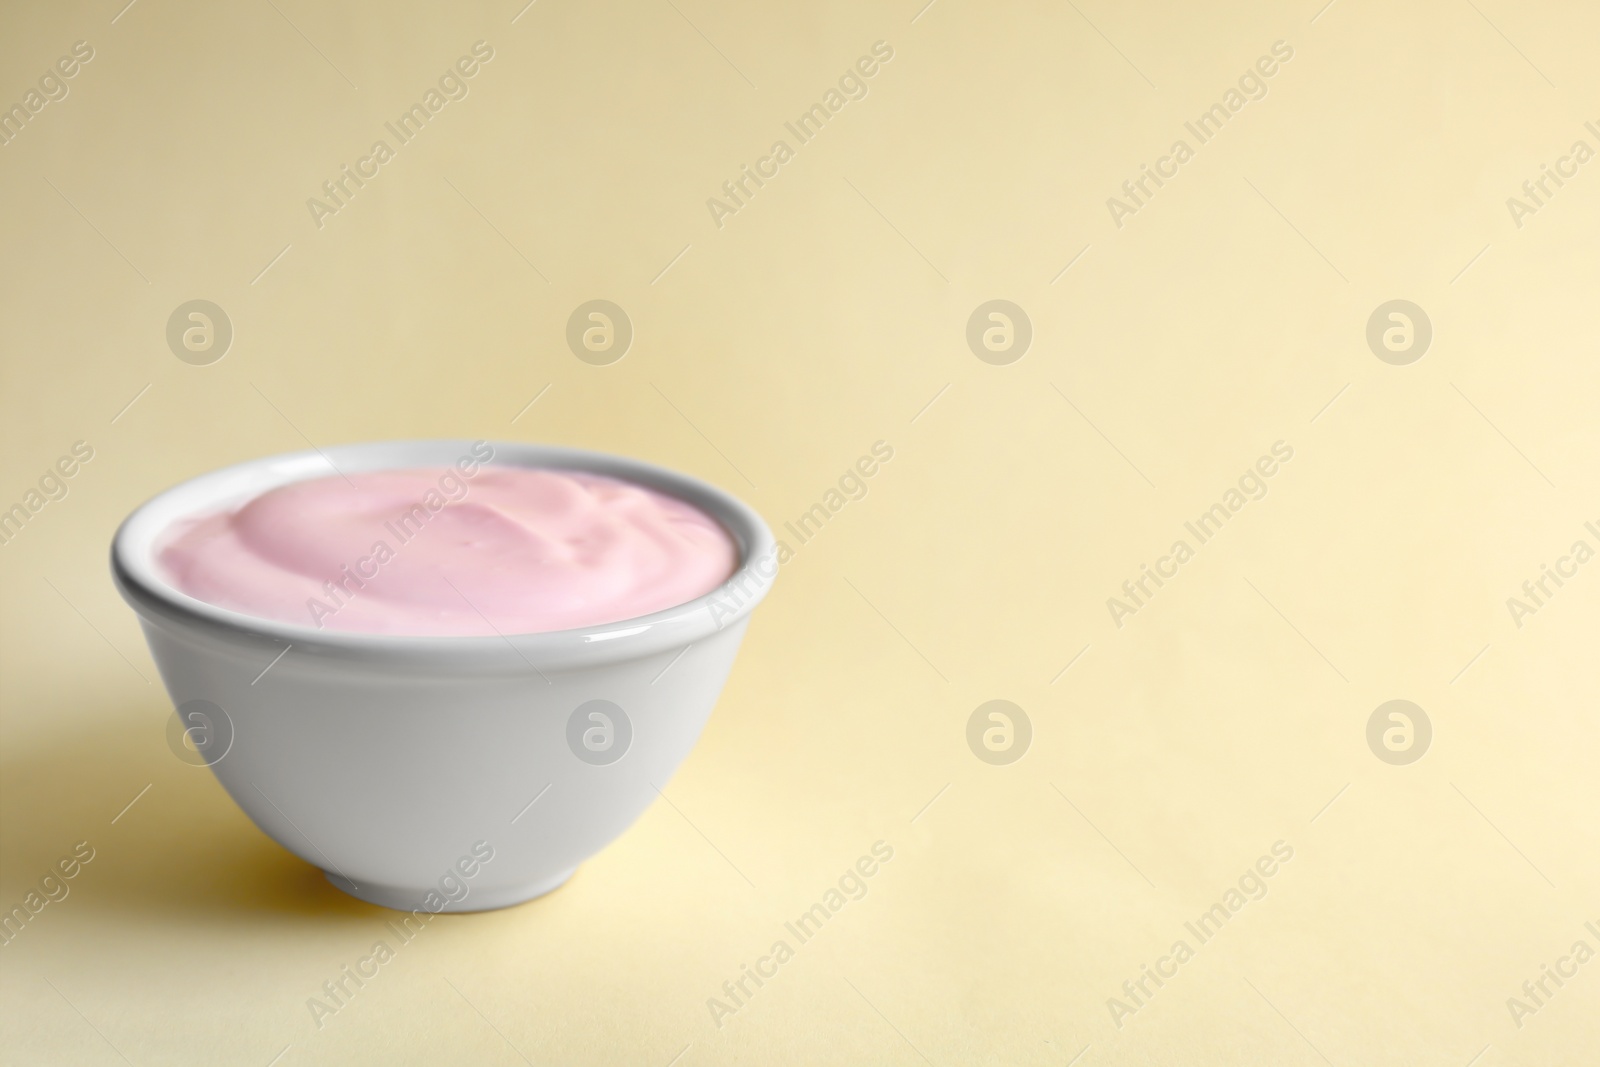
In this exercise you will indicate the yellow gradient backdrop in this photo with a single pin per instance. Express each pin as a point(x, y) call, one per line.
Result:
point(1175, 340)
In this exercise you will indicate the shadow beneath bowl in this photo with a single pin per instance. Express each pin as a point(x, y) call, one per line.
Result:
point(170, 845)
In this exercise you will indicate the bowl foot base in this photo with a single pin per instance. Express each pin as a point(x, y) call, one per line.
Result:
point(411, 899)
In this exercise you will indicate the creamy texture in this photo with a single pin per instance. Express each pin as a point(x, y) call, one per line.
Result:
point(435, 551)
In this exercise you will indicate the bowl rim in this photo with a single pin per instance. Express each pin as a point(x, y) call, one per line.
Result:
point(159, 603)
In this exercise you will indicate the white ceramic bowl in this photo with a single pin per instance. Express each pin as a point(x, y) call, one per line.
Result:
point(397, 764)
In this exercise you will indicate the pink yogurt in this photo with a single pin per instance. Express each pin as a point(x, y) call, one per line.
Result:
point(435, 552)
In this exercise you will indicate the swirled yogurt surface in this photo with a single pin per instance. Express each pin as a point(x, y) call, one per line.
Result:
point(439, 551)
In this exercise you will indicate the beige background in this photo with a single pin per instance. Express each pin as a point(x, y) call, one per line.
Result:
point(1226, 315)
